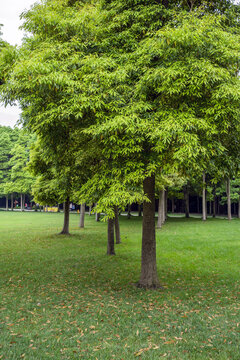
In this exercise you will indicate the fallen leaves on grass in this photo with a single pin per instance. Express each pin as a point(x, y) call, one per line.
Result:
point(139, 352)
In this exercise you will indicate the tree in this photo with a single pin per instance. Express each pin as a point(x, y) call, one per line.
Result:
point(20, 180)
point(148, 88)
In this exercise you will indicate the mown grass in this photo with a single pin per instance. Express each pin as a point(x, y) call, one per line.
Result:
point(63, 298)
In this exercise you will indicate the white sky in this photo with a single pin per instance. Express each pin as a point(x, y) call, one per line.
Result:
point(10, 11)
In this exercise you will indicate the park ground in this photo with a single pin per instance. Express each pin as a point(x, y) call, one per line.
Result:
point(64, 298)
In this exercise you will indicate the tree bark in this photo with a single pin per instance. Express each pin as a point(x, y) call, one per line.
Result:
point(117, 227)
point(97, 215)
point(82, 215)
point(65, 229)
point(228, 190)
point(21, 202)
point(165, 204)
point(89, 211)
point(186, 200)
point(110, 244)
point(204, 216)
point(214, 206)
point(149, 277)
point(161, 209)
point(7, 202)
point(12, 202)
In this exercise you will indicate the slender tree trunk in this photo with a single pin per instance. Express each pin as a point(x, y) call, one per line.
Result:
point(58, 206)
point(65, 229)
point(149, 277)
point(97, 215)
point(24, 196)
point(12, 202)
point(110, 244)
point(165, 204)
point(129, 211)
point(7, 202)
point(89, 211)
point(214, 206)
point(21, 202)
point(139, 209)
point(186, 199)
point(173, 205)
point(204, 216)
point(82, 215)
point(161, 209)
point(210, 207)
point(218, 206)
point(239, 207)
point(228, 188)
point(46, 207)
point(117, 227)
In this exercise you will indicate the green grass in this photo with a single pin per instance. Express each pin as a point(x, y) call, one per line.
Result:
point(63, 298)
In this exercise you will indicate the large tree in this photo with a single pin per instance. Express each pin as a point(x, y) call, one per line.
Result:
point(148, 87)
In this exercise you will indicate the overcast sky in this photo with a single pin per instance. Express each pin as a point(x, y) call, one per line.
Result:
point(10, 11)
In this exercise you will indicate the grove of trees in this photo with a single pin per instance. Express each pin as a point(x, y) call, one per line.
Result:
point(123, 100)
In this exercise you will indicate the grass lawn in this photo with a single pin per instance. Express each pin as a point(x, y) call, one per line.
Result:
point(63, 298)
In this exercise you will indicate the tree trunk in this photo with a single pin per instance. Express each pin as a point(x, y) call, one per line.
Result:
point(149, 277)
point(117, 227)
point(12, 202)
point(228, 190)
point(214, 206)
point(21, 202)
point(165, 204)
point(7, 202)
point(186, 199)
point(58, 206)
point(218, 205)
point(210, 207)
point(161, 209)
point(90, 209)
point(129, 211)
point(97, 215)
point(139, 209)
point(204, 216)
point(82, 215)
point(65, 229)
point(173, 205)
point(110, 244)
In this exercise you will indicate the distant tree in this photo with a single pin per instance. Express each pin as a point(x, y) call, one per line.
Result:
point(20, 180)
